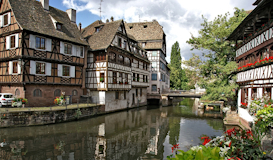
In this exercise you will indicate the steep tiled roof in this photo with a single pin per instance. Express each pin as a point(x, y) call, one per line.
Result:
point(103, 38)
point(153, 45)
point(31, 16)
point(89, 30)
point(145, 30)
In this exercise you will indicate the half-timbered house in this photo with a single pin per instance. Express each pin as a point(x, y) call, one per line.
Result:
point(41, 52)
point(117, 68)
point(254, 52)
point(151, 37)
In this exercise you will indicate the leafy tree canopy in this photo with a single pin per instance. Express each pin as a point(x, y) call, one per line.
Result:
point(219, 54)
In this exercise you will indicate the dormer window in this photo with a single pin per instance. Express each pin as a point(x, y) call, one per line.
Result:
point(97, 29)
point(131, 27)
point(59, 26)
point(145, 26)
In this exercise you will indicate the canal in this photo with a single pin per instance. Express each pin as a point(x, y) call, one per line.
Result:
point(142, 133)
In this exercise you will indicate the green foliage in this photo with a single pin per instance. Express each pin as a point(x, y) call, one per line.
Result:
point(202, 153)
point(216, 71)
point(178, 79)
point(78, 113)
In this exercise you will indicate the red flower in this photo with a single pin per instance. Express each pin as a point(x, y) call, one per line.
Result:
point(175, 146)
point(206, 140)
point(230, 131)
point(265, 106)
point(229, 144)
point(232, 158)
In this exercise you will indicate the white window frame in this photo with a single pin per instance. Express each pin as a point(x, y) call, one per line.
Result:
point(11, 68)
point(33, 68)
point(32, 43)
point(2, 18)
point(74, 49)
point(72, 71)
point(8, 41)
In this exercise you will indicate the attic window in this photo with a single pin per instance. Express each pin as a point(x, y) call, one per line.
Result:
point(59, 26)
point(145, 26)
point(131, 27)
point(97, 29)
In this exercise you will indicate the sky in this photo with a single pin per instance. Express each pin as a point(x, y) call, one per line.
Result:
point(179, 18)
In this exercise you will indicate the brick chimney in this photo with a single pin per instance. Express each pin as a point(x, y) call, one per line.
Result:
point(71, 14)
point(45, 4)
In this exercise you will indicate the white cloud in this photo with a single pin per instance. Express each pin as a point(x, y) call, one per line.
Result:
point(178, 18)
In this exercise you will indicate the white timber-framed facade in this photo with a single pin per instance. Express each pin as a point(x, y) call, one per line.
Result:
point(254, 53)
point(117, 68)
point(42, 52)
point(151, 37)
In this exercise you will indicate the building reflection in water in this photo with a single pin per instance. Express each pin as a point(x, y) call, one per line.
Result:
point(130, 134)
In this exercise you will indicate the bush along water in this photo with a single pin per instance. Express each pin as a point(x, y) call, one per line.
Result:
point(235, 144)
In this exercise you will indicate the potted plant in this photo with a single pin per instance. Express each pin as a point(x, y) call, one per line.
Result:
point(102, 79)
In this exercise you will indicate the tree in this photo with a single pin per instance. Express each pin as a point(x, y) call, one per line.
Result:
point(178, 78)
point(216, 71)
point(192, 70)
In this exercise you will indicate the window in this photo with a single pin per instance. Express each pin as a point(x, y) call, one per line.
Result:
point(37, 93)
point(59, 26)
point(57, 93)
point(140, 92)
point(117, 95)
point(40, 68)
point(112, 57)
point(138, 77)
point(154, 76)
point(97, 29)
point(126, 78)
point(154, 88)
point(12, 41)
point(124, 46)
point(154, 53)
point(81, 51)
point(101, 57)
point(40, 43)
point(143, 78)
point(134, 76)
point(6, 19)
point(114, 77)
point(120, 77)
point(74, 92)
point(143, 44)
point(102, 77)
point(154, 64)
point(119, 42)
point(124, 94)
point(14, 67)
point(136, 92)
point(127, 61)
point(66, 70)
point(120, 59)
point(145, 26)
point(17, 92)
point(67, 48)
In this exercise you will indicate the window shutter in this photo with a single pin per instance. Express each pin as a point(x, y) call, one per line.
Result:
point(74, 50)
point(9, 18)
point(1, 21)
point(122, 43)
point(16, 40)
point(19, 67)
point(60, 70)
point(31, 41)
point(8, 42)
point(72, 71)
point(32, 67)
point(10, 67)
point(48, 44)
point(78, 51)
point(48, 69)
point(61, 47)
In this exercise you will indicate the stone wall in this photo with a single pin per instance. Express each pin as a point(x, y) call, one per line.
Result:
point(12, 119)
